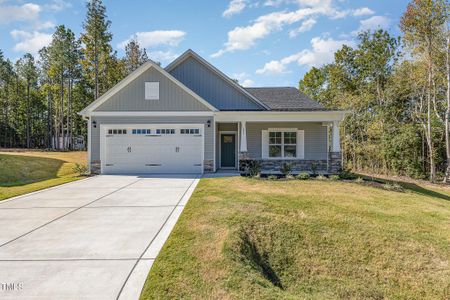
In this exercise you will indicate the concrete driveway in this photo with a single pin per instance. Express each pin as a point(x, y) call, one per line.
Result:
point(91, 239)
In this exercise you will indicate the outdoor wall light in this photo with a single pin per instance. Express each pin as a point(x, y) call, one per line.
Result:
point(208, 123)
point(94, 124)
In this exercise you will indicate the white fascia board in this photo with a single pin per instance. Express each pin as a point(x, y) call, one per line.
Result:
point(191, 53)
point(286, 116)
point(127, 80)
point(151, 113)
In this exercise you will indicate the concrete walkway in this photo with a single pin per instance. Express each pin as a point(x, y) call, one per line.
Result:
point(92, 239)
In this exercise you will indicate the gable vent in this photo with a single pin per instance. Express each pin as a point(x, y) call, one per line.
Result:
point(152, 91)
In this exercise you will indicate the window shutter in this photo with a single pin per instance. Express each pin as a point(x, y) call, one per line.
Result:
point(300, 144)
point(265, 144)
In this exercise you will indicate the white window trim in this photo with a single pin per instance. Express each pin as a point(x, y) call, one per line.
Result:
point(299, 145)
point(282, 145)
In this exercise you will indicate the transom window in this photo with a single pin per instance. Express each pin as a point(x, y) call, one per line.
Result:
point(190, 131)
point(283, 144)
point(117, 131)
point(141, 131)
point(165, 131)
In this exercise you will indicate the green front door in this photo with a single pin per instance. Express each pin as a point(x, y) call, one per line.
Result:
point(228, 150)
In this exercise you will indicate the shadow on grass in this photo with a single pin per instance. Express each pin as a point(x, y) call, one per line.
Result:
point(18, 170)
point(409, 186)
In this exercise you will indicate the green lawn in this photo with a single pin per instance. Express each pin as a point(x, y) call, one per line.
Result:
point(242, 238)
point(27, 171)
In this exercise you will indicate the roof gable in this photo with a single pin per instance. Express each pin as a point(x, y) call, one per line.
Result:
point(187, 99)
point(211, 84)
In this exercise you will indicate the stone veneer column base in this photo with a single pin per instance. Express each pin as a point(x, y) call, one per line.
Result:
point(95, 167)
point(208, 166)
point(335, 165)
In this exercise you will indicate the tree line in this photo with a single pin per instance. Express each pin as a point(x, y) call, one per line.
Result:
point(397, 90)
point(40, 96)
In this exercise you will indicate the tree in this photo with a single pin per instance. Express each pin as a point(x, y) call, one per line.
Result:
point(96, 50)
point(27, 71)
point(134, 55)
point(422, 25)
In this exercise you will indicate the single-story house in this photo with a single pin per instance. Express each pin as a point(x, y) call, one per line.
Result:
point(191, 118)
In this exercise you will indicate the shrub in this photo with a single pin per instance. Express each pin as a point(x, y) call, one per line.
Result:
point(81, 169)
point(286, 168)
point(346, 174)
point(393, 187)
point(359, 180)
point(253, 168)
point(272, 177)
point(303, 176)
point(321, 177)
point(335, 177)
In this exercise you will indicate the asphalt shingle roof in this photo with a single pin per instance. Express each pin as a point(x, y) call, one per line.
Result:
point(285, 99)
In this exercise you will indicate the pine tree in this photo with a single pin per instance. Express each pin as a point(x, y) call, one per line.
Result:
point(134, 55)
point(27, 71)
point(96, 50)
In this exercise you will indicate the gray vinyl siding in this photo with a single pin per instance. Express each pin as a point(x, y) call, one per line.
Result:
point(315, 138)
point(211, 87)
point(171, 96)
point(209, 131)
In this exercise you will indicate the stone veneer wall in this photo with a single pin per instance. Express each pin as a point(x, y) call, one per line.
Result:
point(208, 165)
point(95, 167)
point(272, 166)
point(335, 162)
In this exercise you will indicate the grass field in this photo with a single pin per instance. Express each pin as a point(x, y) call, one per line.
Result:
point(242, 238)
point(27, 171)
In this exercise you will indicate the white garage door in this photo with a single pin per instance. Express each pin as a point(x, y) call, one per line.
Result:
point(152, 149)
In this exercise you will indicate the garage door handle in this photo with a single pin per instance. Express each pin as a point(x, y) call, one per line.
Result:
point(129, 149)
point(177, 149)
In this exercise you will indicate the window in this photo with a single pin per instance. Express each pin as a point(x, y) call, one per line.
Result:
point(141, 131)
point(152, 91)
point(117, 131)
point(165, 131)
point(190, 131)
point(283, 144)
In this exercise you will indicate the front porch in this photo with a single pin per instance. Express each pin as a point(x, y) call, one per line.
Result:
point(307, 146)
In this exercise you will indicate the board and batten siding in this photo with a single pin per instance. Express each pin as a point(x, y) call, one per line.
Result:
point(315, 138)
point(209, 131)
point(171, 96)
point(208, 85)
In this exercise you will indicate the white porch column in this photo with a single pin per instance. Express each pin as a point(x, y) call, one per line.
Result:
point(335, 140)
point(243, 143)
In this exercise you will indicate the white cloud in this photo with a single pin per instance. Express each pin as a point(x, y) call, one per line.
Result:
point(25, 12)
point(321, 52)
point(363, 11)
point(243, 38)
point(44, 25)
point(276, 2)
point(243, 79)
point(162, 56)
point(234, 7)
point(373, 23)
point(30, 41)
point(58, 5)
point(156, 38)
point(305, 26)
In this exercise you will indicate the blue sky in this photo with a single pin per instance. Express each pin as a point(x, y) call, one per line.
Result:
point(258, 42)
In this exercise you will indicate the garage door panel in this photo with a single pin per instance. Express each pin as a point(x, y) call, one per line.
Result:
point(165, 153)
